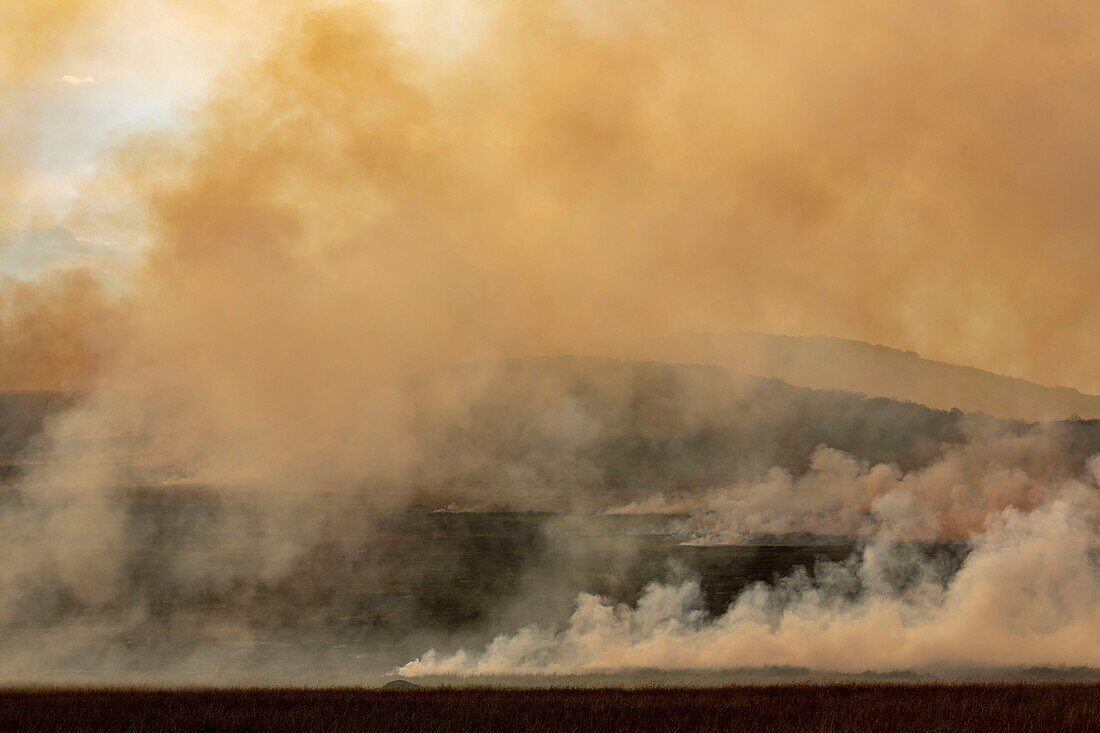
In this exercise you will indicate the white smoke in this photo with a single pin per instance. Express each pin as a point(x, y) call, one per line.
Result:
point(1027, 593)
point(840, 495)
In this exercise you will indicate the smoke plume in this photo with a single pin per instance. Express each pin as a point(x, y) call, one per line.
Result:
point(951, 499)
point(1025, 594)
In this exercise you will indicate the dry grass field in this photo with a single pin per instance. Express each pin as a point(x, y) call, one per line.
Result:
point(845, 707)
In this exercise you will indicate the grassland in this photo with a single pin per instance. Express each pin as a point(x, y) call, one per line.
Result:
point(845, 707)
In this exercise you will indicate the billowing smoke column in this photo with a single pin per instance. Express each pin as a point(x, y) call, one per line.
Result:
point(351, 206)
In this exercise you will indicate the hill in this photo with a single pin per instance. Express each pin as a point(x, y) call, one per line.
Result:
point(556, 429)
point(563, 432)
point(824, 362)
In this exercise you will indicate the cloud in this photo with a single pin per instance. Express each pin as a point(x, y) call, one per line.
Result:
point(76, 81)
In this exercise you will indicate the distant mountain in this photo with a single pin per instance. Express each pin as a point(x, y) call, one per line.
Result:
point(583, 432)
point(823, 362)
point(549, 430)
point(554, 430)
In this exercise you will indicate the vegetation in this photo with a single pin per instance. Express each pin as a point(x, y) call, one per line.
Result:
point(837, 707)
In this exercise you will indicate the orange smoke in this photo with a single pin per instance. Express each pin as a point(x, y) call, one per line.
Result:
point(351, 211)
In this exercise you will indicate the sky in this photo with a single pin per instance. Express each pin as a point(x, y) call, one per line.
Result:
point(920, 178)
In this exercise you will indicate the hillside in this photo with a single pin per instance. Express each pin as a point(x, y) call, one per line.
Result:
point(558, 430)
point(823, 362)
point(571, 432)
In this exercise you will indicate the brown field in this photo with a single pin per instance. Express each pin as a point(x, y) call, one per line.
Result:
point(844, 707)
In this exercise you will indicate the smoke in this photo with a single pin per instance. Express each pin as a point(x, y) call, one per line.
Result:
point(36, 34)
point(673, 168)
point(352, 213)
point(40, 32)
point(1025, 594)
point(949, 500)
point(54, 333)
